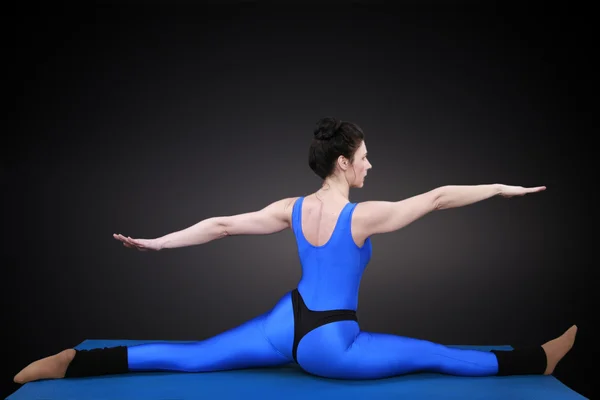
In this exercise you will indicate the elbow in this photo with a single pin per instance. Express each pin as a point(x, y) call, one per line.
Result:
point(437, 199)
point(220, 227)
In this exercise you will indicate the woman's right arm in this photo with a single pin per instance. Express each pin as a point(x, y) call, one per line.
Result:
point(373, 217)
point(273, 218)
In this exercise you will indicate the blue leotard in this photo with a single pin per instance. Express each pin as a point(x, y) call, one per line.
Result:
point(331, 276)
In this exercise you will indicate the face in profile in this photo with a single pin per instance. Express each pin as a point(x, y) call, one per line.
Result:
point(358, 170)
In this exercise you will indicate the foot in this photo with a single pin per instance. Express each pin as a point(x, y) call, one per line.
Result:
point(557, 348)
point(52, 367)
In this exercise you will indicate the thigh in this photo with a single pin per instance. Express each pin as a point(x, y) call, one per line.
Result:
point(279, 326)
point(341, 350)
point(376, 355)
point(244, 346)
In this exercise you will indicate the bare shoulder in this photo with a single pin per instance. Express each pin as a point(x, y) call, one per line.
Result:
point(283, 208)
point(367, 210)
point(375, 217)
point(366, 214)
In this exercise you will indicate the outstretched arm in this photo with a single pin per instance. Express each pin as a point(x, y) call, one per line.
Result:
point(273, 218)
point(383, 216)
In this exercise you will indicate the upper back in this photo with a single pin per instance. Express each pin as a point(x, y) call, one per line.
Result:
point(324, 225)
point(318, 220)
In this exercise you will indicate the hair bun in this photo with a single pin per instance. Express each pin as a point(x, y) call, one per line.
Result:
point(327, 128)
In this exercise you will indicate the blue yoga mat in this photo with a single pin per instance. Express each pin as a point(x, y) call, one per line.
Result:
point(289, 382)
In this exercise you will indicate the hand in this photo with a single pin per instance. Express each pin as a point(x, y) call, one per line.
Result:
point(139, 244)
point(510, 191)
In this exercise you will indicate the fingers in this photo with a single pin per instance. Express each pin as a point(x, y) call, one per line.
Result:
point(129, 242)
point(126, 240)
point(526, 190)
point(136, 244)
point(511, 191)
point(536, 189)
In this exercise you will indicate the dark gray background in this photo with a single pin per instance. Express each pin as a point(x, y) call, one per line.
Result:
point(143, 121)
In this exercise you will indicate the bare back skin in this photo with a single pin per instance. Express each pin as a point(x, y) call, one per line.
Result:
point(320, 215)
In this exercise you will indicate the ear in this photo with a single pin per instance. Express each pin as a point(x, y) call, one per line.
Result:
point(343, 163)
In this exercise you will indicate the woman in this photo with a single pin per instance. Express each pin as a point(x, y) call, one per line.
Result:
point(315, 324)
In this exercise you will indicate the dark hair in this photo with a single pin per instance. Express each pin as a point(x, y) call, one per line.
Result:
point(333, 138)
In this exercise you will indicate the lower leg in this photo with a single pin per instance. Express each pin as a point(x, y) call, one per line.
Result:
point(536, 360)
point(244, 346)
point(76, 363)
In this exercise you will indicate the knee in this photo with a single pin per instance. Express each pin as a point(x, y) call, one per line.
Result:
point(193, 366)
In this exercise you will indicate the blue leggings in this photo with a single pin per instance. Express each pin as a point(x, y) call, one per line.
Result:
point(334, 350)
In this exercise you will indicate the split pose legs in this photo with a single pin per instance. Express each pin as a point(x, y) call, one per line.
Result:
point(333, 350)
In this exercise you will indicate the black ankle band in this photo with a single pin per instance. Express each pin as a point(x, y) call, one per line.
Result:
point(104, 361)
point(523, 361)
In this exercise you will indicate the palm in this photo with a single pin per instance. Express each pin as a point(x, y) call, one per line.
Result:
point(139, 244)
point(511, 191)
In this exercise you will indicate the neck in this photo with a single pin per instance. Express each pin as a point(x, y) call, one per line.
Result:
point(335, 187)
